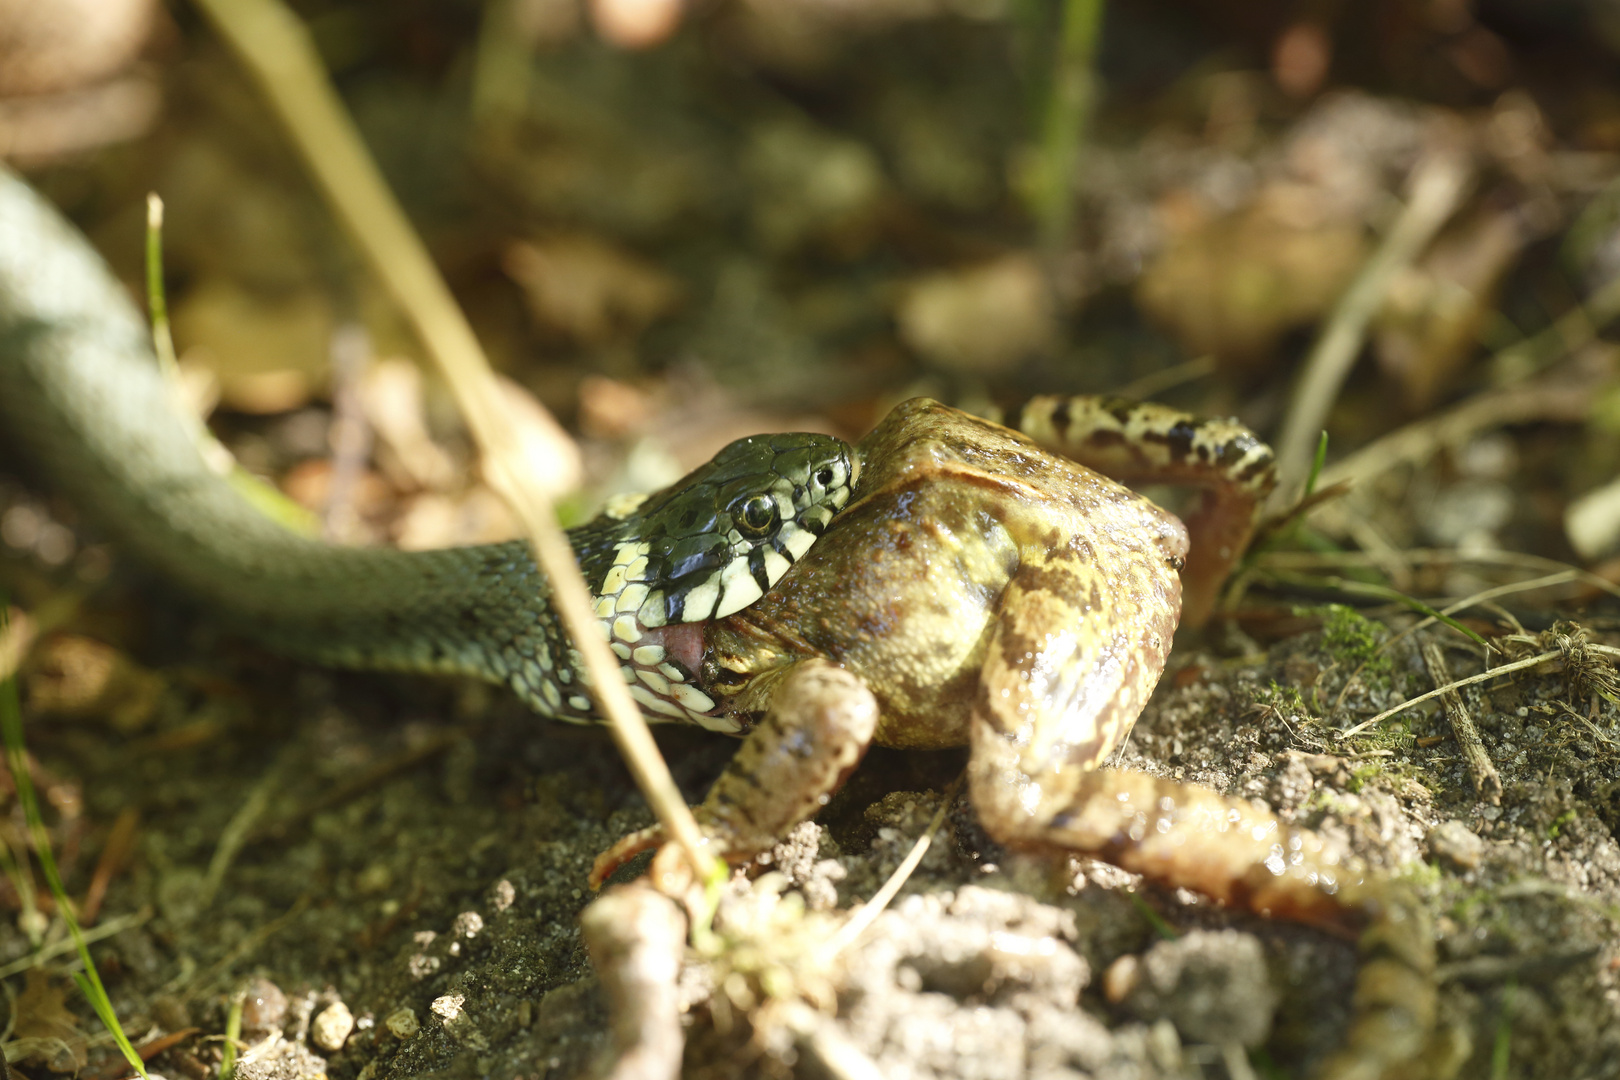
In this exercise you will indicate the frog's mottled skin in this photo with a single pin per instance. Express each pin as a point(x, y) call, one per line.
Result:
point(981, 590)
point(955, 522)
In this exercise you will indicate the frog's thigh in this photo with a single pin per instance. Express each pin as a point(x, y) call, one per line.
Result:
point(1064, 678)
point(817, 729)
point(1075, 649)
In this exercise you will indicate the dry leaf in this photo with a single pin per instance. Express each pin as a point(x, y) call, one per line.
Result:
point(391, 395)
point(981, 319)
point(269, 351)
point(589, 289)
point(43, 1028)
point(551, 454)
point(1232, 286)
point(79, 677)
point(1429, 325)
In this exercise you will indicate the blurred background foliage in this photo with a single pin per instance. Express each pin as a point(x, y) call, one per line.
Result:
point(678, 223)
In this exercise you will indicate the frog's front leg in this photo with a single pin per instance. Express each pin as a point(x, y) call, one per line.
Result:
point(817, 725)
point(1062, 682)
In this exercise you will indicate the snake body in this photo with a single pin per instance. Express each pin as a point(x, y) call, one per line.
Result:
point(82, 396)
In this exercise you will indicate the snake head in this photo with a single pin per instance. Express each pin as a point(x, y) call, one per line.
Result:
point(714, 542)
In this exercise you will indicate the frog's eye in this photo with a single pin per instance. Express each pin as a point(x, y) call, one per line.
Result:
point(757, 516)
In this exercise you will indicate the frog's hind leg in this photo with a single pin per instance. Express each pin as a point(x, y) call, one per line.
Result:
point(1144, 442)
point(1056, 697)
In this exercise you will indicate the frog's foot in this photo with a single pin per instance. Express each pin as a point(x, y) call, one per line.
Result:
point(1188, 837)
point(816, 730)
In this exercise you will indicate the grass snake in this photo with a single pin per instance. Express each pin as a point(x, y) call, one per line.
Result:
point(82, 396)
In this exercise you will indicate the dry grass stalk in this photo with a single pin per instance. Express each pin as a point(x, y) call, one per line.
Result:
point(1487, 782)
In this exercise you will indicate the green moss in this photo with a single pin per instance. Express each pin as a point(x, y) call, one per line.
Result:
point(1395, 735)
point(1422, 874)
point(1559, 822)
point(1362, 773)
point(1353, 639)
point(1286, 700)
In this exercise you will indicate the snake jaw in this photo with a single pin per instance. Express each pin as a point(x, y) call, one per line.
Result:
point(706, 548)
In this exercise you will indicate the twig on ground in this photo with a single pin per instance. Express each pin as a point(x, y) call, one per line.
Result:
point(1586, 675)
point(1505, 669)
point(63, 946)
point(115, 854)
point(249, 944)
point(869, 911)
point(350, 434)
point(1571, 331)
point(238, 829)
point(1158, 382)
point(1568, 400)
point(1466, 602)
point(1316, 560)
point(1487, 782)
point(1572, 649)
point(369, 778)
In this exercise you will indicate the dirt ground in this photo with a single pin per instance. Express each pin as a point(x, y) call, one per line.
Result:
point(416, 852)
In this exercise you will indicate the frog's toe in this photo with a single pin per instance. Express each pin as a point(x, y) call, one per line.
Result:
point(608, 863)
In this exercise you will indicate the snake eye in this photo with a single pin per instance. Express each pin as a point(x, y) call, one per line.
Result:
point(757, 516)
point(824, 476)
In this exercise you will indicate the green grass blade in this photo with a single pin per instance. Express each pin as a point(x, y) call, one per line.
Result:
point(233, 1035)
point(1318, 463)
point(1155, 920)
point(89, 981)
point(156, 302)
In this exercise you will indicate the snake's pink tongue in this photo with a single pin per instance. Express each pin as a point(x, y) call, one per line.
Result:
point(682, 643)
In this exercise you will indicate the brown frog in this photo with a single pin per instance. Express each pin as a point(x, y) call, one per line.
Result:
point(980, 589)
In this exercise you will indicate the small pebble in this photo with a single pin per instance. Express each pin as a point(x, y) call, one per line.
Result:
point(1457, 844)
point(1121, 978)
point(374, 879)
point(448, 1007)
point(265, 1007)
point(1213, 986)
point(332, 1026)
point(402, 1024)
